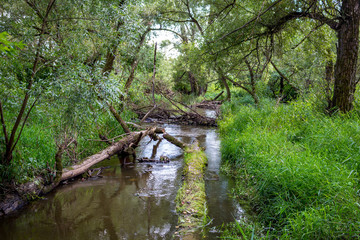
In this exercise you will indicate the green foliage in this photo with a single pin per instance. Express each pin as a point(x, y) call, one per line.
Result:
point(8, 47)
point(190, 73)
point(61, 71)
point(242, 229)
point(280, 88)
point(299, 167)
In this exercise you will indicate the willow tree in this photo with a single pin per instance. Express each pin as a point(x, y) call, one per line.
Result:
point(257, 19)
point(67, 64)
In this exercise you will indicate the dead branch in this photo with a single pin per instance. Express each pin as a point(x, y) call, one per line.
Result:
point(219, 95)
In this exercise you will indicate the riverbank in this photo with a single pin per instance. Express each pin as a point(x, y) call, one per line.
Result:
point(297, 167)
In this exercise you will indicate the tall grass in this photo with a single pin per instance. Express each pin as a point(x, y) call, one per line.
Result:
point(298, 167)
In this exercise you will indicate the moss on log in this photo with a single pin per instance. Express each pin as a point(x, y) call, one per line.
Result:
point(191, 197)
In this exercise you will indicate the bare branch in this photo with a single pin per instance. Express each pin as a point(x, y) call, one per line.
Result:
point(282, 75)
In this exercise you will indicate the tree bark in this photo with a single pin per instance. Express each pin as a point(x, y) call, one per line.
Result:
point(252, 82)
point(347, 57)
point(122, 145)
point(175, 141)
point(223, 79)
point(118, 118)
point(329, 80)
point(193, 83)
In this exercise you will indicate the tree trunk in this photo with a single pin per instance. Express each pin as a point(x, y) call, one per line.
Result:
point(110, 58)
point(119, 119)
point(253, 79)
point(120, 146)
point(347, 57)
point(224, 82)
point(130, 141)
point(329, 80)
point(193, 83)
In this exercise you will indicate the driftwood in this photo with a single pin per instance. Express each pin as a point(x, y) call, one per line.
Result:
point(179, 117)
point(175, 141)
point(126, 144)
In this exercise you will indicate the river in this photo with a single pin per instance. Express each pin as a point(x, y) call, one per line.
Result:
point(136, 202)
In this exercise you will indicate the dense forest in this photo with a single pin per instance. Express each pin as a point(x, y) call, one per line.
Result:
point(78, 76)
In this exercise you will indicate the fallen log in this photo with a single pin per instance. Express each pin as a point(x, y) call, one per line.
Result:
point(124, 145)
point(191, 197)
point(206, 104)
point(175, 141)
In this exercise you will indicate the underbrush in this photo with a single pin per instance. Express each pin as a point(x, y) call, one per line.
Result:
point(298, 167)
point(35, 152)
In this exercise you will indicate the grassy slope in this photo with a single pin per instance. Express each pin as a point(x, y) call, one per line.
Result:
point(298, 168)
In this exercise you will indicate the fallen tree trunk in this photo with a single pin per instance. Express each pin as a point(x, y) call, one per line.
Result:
point(130, 141)
point(175, 141)
point(191, 197)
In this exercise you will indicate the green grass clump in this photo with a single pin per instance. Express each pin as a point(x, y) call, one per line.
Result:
point(191, 197)
point(299, 168)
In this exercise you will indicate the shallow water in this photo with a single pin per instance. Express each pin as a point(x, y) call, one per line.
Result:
point(127, 203)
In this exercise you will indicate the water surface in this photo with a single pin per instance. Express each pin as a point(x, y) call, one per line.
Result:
point(136, 202)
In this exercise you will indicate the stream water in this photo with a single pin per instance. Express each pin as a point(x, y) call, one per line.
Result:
point(127, 203)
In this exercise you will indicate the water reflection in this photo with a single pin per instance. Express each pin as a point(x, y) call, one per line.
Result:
point(136, 202)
